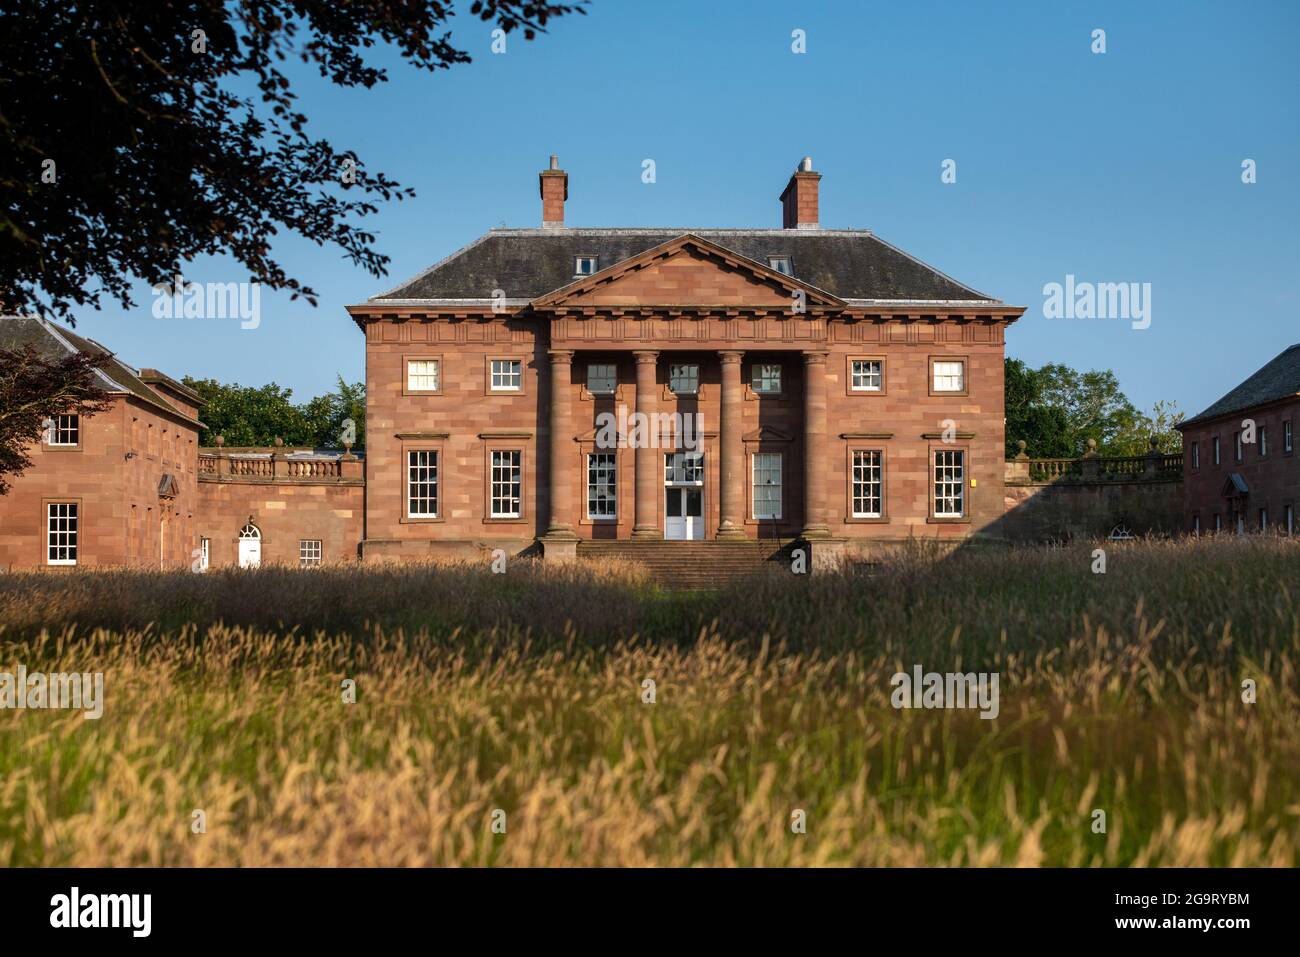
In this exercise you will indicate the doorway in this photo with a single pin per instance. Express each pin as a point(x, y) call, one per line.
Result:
point(684, 496)
point(250, 546)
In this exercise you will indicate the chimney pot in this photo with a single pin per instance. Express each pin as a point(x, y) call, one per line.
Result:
point(799, 202)
point(553, 184)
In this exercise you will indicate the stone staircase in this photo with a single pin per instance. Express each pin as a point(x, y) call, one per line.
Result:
point(691, 565)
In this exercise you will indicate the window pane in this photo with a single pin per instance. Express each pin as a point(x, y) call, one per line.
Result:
point(601, 379)
point(602, 485)
point(766, 378)
point(422, 375)
point(309, 552)
point(684, 468)
point(507, 375)
point(61, 533)
point(767, 485)
point(949, 376)
point(507, 483)
point(684, 379)
point(868, 486)
point(422, 484)
point(867, 375)
point(949, 483)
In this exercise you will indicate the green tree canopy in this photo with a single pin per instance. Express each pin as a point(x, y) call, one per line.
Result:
point(257, 415)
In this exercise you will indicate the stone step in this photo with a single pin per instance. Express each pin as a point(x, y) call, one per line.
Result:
point(690, 565)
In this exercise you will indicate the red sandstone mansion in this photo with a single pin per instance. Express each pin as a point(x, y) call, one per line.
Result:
point(559, 387)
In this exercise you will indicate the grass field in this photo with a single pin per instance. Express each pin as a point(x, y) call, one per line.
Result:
point(523, 693)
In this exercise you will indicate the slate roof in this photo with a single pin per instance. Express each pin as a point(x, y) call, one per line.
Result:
point(1280, 379)
point(854, 265)
point(116, 377)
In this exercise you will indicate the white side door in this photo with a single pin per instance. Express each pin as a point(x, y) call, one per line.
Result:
point(250, 552)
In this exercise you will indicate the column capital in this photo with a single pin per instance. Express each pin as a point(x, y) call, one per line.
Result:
point(729, 356)
point(814, 358)
point(560, 356)
point(646, 355)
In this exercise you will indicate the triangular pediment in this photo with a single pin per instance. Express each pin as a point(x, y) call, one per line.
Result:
point(765, 433)
point(684, 272)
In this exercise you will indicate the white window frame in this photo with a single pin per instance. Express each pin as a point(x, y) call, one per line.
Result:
point(782, 264)
point(205, 553)
point(602, 486)
point(64, 538)
point(867, 471)
point(1263, 441)
point(310, 552)
point(677, 371)
point(1218, 522)
point(1238, 451)
point(64, 431)
point(948, 470)
point(422, 472)
point(766, 478)
point(1196, 455)
point(602, 374)
point(765, 378)
point(860, 380)
point(502, 372)
point(683, 468)
point(942, 376)
point(419, 381)
point(591, 262)
point(1286, 436)
point(1218, 457)
point(1289, 511)
point(506, 489)
point(1196, 524)
point(1263, 519)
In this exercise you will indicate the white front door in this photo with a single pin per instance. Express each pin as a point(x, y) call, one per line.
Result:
point(684, 514)
point(250, 552)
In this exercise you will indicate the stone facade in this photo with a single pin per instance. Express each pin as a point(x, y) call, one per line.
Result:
point(761, 359)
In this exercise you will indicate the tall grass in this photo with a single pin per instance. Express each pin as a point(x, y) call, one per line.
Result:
point(523, 693)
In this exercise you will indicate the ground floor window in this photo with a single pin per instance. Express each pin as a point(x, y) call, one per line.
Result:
point(602, 485)
point(309, 551)
point(61, 533)
point(1263, 519)
point(507, 483)
point(950, 483)
point(1196, 524)
point(767, 485)
point(422, 484)
point(868, 484)
point(1288, 514)
point(205, 553)
point(1218, 522)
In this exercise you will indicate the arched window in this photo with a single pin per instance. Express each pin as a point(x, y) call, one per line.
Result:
point(1120, 533)
point(250, 531)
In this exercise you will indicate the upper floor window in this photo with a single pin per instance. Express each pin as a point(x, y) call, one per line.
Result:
point(584, 265)
point(781, 264)
point(602, 379)
point(1236, 446)
point(1196, 455)
point(867, 375)
point(507, 375)
point(948, 375)
point(1286, 436)
point(64, 430)
point(1263, 441)
point(766, 378)
point(684, 379)
point(1215, 444)
point(423, 375)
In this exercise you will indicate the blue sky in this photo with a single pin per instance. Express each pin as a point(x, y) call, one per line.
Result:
point(1115, 167)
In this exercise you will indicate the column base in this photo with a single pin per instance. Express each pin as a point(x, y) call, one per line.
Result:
point(651, 532)
point(814, 532)
point(825, 554)
point(730, 532)
point(559, 547)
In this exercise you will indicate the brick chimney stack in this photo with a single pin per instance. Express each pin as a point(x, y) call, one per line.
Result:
point(799, 201)
point(554, 186)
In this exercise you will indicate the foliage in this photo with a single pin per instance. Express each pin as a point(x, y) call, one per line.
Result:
point(135, 137)
point(523, 692)
point(248, 416)
point(35, 389)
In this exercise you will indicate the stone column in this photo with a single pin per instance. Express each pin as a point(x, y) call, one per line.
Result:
point(815, 462)
point(561, 426)
point(649, 461)
point(732, 497)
